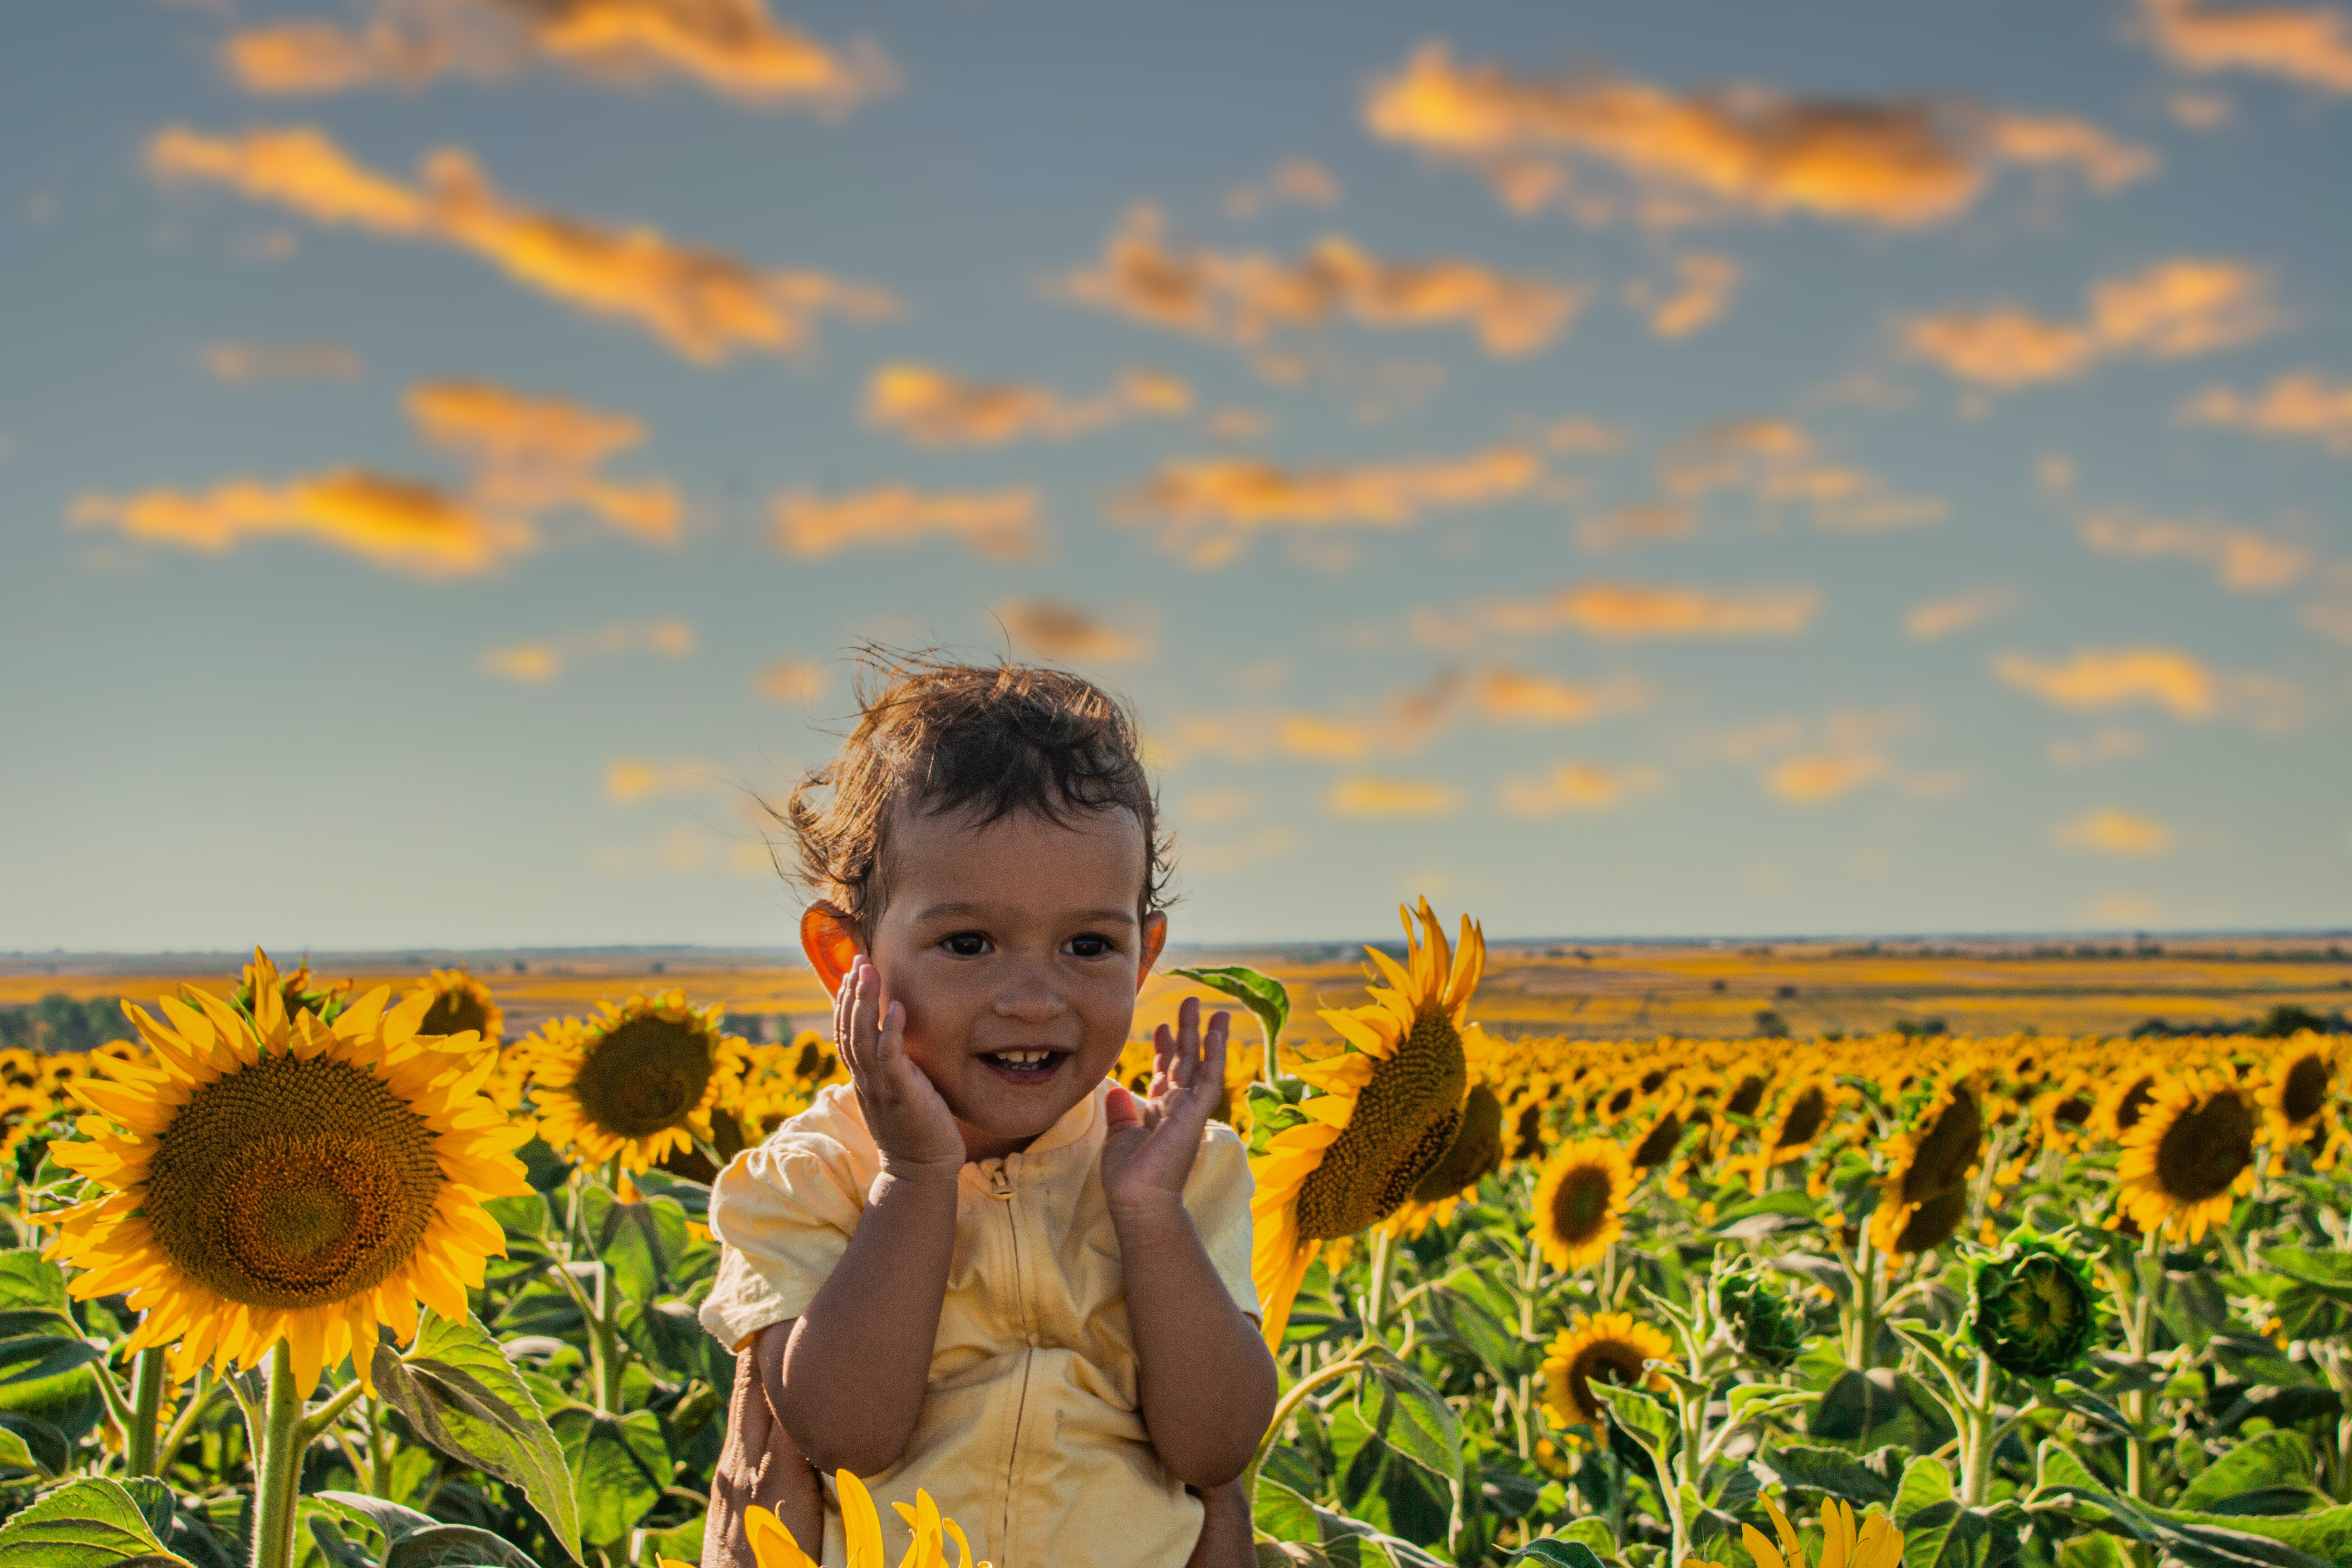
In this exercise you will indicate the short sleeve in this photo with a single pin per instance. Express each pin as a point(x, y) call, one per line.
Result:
point(784, 1213)
point(1217, 1196)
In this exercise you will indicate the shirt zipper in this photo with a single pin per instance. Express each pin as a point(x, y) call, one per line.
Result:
point(1000, 1187)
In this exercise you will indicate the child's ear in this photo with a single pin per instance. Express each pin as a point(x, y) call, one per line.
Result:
point(1155, 937)
point(830, 943)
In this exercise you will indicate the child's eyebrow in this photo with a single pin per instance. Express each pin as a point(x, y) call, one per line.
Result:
point(936, 912)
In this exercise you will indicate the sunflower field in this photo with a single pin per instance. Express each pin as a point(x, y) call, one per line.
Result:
point(300, 1277)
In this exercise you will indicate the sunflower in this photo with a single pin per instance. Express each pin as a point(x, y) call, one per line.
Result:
point(277, 1177)
point(1613, 1347)
point(1924, 1195)
point(1476, 1153)
point(2034, 1311)
point(2190, 1153)
point(635, 1083)
point(1580, 1200)
point(296, 992)
point(2125, 1101)
point(2295, 1084)
point(461, 1004)
point(773, 1545)
point(1390, 1105)
point(1877, 1544)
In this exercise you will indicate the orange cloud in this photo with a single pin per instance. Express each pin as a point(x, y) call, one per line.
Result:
point(628, 780)
point(1941, 617)
point(407, 525)
point(1623, 610)
point(1702, 287)
point(937, 408)
point(2238, 558)
point(1777, 463)
point(536, 663)
point(1730, 152)
point(1299, 181)
point(1065, 632)
point(1512, 697)
point(1816, 779)
point(703, 304)
point(1244, 296)
point(2311, 45)
point(2110, 830)
point(791, 681)
point(2110, 677)
point(2170, 309)
point(732, 47)
point(534, 454)
point(1392, 797)
point(240, 362)
point(1575, 786)
point(2305, 406)
point(999, 523)
point(1207, 506)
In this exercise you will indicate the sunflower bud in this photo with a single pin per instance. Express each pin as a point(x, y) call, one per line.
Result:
point(2035, 1311)
point(1759, 1315)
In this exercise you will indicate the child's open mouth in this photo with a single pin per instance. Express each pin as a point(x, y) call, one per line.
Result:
point(1026, 1066)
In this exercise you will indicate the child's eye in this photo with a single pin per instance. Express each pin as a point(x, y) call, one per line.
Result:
point(966, 944)
point(1089, 946)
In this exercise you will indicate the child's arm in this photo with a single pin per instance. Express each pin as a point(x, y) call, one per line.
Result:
point(1206, 1381)
point(760, 1466)
point(855, 1368)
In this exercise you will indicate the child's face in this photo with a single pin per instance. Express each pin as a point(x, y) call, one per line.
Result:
point(1017, 951)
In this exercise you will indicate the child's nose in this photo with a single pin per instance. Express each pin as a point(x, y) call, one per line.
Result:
point(1031, 997)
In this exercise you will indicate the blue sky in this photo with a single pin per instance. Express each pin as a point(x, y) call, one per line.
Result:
point(1661, 469)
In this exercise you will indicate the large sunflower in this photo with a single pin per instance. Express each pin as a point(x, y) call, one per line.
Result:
point(637, 1082)
point(1390, 1105)
point(1924, 1195)
point(1580, 1200)
point(2295, 1088)
point(277, 1177)
point(461, 1004)
point(2192, 1151)
point(1476, 1153)
point(1613, 1348)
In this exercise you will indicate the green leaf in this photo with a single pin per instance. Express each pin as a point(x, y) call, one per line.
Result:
point(334, 1547)
point(1807, 1467)
point(2324, 1536)
point(1262, 994)
point(88, 1523)
point(36, 1358)
point(2097, 1550)
point(1408, 1416)
point(1925, 1482)
point(394, 1521)
point(27, 1281)
point(463, 1396)
point(1929, 1533)
point(1283, 1514)
point(2268, 1462)
point(619, 1465)
point(1791, 1209)
point(1641, 1417)
point(51, 1451)
point(1555, 1553)
point(455, 1546)
point(640, 1243)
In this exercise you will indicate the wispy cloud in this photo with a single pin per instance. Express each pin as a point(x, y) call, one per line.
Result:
point(1618, 611)
point(2170, 309)
point(2240, 559)
point(731, 47)
point(791, 681)
point(628, 780)
point(1295, 182)
point(1700, 290)
point(937, 408)
point(239, 364)
point(1941, 617)
point(535, 663)
point(2111, 830)
point(1065, 632)
point(407, 525)
point(1519, 697)
point(1208, 508)
point(703, 304)
point(1000, 523)
point(1245, 297)
point(1778, 465)
point(1819, 777)
point(1370, 796)
point(2178, 682)
point(1575, 786)
point(2308, 45)
point(531, 455)
point(2304, 406)
point(1731, 151)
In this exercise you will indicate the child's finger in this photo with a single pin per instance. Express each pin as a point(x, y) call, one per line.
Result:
point(1212, 1066)
point(1122, 1108)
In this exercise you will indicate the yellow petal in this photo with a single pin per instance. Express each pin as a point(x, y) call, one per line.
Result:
point(1761, 1552)
point(860, 1524)
point(772, 1545)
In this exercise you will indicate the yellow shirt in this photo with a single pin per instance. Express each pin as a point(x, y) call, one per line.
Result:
point(1030, 1436)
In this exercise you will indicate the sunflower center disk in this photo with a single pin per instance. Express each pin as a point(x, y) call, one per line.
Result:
point(2205, 1148)
point(454, 1014)
point(293, 1183)
point(1404, 1124)
point(645, 1076)
point(1581, 1204)
point(2305, 1094)
point(1611, 1359)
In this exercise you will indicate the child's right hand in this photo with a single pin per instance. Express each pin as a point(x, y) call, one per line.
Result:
point(903, 1109)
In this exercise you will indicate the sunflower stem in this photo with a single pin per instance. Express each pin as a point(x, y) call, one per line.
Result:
point(1330, 1372)
point(1376, 1303)
point(1976, 1457)
point(379, 1451)
point(278, 1468)
point(199, 1400)
point(319, 1420)
point(146, 1412)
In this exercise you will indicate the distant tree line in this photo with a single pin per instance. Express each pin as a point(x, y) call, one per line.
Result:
point(2279, 1022)
point(59, 1023)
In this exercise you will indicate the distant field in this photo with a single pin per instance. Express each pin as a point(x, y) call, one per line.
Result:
point(1595, 990)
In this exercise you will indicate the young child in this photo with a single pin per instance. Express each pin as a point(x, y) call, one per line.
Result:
point(981, 1269)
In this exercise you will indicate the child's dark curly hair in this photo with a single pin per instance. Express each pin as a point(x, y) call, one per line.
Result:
point(935, 736)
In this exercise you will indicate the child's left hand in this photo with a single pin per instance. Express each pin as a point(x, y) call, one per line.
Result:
point(1149, 1150)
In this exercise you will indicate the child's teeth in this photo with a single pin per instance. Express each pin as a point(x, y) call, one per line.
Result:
point(1021, 1058)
